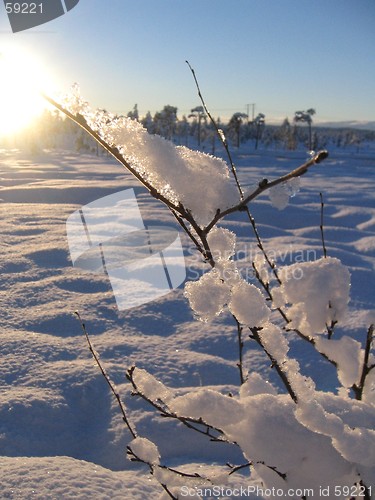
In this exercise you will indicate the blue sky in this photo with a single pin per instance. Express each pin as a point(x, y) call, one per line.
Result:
point(283, 55)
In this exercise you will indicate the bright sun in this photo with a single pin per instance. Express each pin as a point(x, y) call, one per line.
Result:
point(22, 79)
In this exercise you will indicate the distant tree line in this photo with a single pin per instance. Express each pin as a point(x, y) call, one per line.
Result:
point(52, 131)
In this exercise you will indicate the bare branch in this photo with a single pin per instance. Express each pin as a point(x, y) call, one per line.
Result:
point(218, 131)
point(264, 186)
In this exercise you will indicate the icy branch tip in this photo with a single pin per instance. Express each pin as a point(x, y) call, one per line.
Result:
point(321, 155)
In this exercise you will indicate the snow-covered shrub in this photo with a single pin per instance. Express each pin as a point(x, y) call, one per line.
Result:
point(298, 438)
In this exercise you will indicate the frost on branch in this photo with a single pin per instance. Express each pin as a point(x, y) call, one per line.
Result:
point(255, 384)
point(348, 424)
point(198, 181)
point(318, 292)
point(214, 408)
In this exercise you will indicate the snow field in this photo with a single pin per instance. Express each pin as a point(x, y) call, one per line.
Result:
point(58, 419)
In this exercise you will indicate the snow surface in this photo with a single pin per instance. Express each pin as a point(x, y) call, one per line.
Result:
point(61, 433)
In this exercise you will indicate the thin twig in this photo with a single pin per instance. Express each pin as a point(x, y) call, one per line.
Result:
point(366, 368)
point(240, 350)
point(322, 224)
point(236, 468)
point(125, 418)
point(111, 384)
point(234, 173)
point(218, 131)
point(274, 363)
point(270, 263)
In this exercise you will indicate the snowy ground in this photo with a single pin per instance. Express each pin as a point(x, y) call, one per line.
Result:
point(61, 435)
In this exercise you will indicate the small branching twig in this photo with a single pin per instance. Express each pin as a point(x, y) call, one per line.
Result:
point(247, 465)
point(130, 452)
point(134, 458)
point(270, 262)
point(366, 367)
point(234, 173)
point(197, 425)
point(107, 379)
point(236, 468)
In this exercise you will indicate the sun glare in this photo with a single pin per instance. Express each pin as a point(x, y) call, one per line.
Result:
point(22, 79)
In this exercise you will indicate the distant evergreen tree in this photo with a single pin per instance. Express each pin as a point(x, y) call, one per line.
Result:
point(134, 114)
point(148, 123)
point(165, 121)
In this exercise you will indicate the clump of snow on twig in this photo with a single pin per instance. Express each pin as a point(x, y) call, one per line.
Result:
point(248, 305)
point(348, 356)
point(222, 243)
point(152, 388)
point(318, 292)
point(145, 450)
point(208, 296)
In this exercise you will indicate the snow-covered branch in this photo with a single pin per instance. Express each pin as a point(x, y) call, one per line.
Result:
point(291, 439)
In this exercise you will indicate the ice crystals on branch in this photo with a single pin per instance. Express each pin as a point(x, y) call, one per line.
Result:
point(198, 181)
point(280, 194)
point(75, 103)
